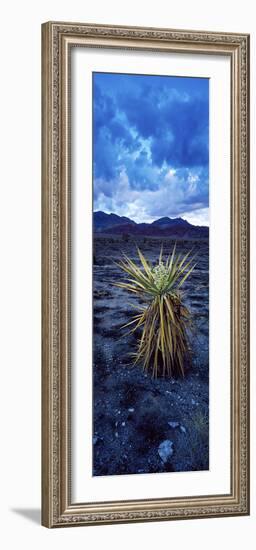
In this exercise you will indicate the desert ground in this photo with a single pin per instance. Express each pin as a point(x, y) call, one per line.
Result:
point(144, 425)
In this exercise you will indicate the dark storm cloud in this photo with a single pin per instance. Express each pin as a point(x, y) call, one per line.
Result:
point(145, 126)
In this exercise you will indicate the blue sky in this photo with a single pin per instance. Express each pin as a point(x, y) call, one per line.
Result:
point(151, 146)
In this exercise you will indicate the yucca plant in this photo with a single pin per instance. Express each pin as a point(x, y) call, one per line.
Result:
point(163, 346)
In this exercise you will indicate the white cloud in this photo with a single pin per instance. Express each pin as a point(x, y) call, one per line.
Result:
point(175, 196)
point(197, 217)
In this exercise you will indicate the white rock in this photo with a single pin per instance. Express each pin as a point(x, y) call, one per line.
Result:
point(165, 450)
point(173, 424)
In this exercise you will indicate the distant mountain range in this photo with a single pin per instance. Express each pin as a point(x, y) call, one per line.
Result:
point(112, 224)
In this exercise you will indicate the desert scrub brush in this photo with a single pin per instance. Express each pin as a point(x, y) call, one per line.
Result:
point(163, 345)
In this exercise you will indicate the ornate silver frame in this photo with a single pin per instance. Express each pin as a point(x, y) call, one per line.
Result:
point(57, 40)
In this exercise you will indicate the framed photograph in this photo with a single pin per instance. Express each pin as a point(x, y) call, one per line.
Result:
point(145, 274)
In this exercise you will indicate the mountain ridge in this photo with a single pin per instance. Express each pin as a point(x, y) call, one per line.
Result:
point(112, 224)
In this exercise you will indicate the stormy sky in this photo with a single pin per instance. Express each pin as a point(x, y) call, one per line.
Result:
point(151, 146)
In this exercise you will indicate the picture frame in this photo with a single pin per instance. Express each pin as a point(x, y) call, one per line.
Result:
point(58, 40)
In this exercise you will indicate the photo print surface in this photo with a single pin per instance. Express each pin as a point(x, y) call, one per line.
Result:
point(150, 274)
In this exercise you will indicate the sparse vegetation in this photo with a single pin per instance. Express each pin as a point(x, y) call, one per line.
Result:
point(163, 345)
point(194, 445)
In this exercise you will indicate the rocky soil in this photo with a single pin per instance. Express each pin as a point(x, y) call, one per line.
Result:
point(140, 424)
